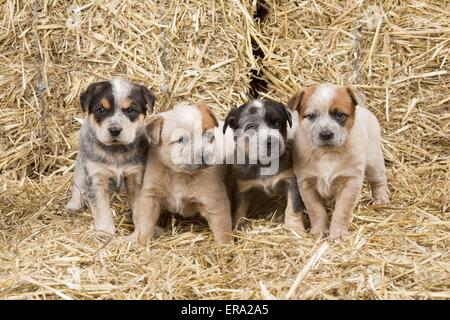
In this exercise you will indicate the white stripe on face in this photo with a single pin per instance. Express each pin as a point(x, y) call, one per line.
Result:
point(121, 90)
point(322, 97)
point(256, 103)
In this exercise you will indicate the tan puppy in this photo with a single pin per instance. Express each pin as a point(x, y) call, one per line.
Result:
point(337, 143)
point(180, 176)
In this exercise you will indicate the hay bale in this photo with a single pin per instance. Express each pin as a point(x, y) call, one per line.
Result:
point(403, 66)
point(398, 251)
point(404, 72)
point(190, 50)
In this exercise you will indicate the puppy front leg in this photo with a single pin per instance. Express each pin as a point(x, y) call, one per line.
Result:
point(376, 176)
point(345, 203)
point(293, 215)
point(134, 185)
point(145, 218)
point(78, 188)
point(315, 208)
point(241, 203)
point(217, 214)
point(98, 198)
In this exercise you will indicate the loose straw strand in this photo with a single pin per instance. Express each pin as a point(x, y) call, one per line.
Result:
point(41, 84)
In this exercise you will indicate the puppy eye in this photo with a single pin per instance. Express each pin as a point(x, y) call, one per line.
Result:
point(340, 115)
point(130, 110)
point(250, 127)
point(310, 116)
point(209, 136)
point(101, 110)
point(277, 124)
point(180, 140)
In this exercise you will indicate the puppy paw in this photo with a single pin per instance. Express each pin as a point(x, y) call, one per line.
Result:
point(296, 226)
point(138, 238)
point(338, 233)
point(103, 234)
point(319, 230)
point(318, 233)
point(381, 200)
point(225, 239)
point(74, 206)
point(380, 196)
point(159, 231)
point(131, 238)
point(106, 229)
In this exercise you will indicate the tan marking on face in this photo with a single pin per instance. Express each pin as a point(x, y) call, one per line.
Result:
point(126, 103)
point(94, 123)
point(105, 103)
point(140, 120)
point(343, 102)
point(209, 120)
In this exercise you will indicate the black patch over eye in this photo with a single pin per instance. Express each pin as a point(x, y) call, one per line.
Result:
point(131, 112)
point(276, 123)
point(101, 111)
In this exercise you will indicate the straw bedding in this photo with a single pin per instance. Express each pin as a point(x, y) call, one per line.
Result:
point(398, 250)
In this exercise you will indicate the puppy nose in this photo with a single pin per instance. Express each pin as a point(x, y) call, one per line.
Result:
point(115, 131)
point(326, 135)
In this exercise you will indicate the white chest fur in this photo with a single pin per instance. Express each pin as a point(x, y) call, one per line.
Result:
point(181, 200)
point(327, 170)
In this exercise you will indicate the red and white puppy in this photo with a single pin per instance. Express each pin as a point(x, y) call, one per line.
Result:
point(337, 143)
point(181, 175)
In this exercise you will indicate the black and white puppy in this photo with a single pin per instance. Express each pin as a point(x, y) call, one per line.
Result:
point(263, 158)
point(113, 147)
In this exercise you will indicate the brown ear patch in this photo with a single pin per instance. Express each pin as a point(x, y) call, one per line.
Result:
point(357, 96)
point(154, 128)
point(299, 100)
point(344, 102)
point(209, 120)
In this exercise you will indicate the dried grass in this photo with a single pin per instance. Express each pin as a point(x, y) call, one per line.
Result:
point(398, 251)
point(190, 50)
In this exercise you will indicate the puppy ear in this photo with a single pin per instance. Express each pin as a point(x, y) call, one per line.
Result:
point(149, 97)
point(86, 97)
point(295, 102)
point(154, 128)
point(209, 119)
point(288, 116)
point(230, 121)
point(358, 98)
